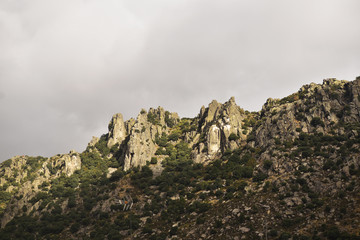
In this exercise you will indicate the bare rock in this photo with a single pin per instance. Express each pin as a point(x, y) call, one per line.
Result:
point(117, 130)
point(244, 229)
point(94, 140)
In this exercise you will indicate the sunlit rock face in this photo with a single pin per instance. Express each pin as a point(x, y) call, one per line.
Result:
point(314, 108)
point(217, 122)
point(214, 140)
point(117, 130)
point(140, 145)
point(289, 157)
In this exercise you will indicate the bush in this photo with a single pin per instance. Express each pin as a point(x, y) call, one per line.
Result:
point(75, 227)
point(115, 176)
point(199, 207)
point(268, 164)
point(285, 236)
point(161, 141)
point(170, 122)
point(250, 138)
point(6, 163)
point(152, 118)
point(153, 160)
point(4, 196)
point(316, 121)
point(235, 158)
point(173, 231)
point(174, 136)
point(233, 137)
point(259, 177)
point(39, 196)
point(243, 172)
point(101, 145)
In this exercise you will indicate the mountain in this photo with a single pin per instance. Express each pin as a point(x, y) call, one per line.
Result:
point(289, 171)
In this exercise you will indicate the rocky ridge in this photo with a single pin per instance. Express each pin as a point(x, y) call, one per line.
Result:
point(24, 176)
point(294, 165)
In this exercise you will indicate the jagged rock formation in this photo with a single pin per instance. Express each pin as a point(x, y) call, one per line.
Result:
point(64, 164)
point(216, 124)
point(293, 166)
point(117, 131)
point(210, 138)
point(136, 137)
point(314, 107)
point(30, 173)
point(140, 146)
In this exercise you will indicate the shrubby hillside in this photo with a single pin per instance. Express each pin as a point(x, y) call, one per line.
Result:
point(289, 171)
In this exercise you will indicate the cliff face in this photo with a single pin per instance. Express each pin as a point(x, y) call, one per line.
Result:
point(216, 124)
point(135, 139)
point(209, 136)
point(314, 108)
point(295, 162)
point(117, 130)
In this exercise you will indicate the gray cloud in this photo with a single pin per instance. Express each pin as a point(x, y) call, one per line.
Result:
point(67, 66)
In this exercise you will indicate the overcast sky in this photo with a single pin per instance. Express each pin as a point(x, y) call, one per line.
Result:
point(66, 66)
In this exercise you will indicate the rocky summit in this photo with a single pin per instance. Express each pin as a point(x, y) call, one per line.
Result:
point(289, 171)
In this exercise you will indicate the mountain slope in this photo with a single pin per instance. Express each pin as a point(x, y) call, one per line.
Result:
point(288, 171)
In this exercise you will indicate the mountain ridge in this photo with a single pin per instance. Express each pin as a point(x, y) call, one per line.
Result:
point(298, 151)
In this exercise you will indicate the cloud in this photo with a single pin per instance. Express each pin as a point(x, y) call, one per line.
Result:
point(67, 66)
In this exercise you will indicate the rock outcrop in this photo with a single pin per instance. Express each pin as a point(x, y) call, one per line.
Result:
point(216, 124)
point(140, 146)
point(136, 138)
point(30, 173)
point(296, 162)
point(64, 164)
point(117, 130)
point(314, 108)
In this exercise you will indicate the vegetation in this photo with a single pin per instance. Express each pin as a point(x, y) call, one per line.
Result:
point(152, 118)
point(233, 137)
point(296, 185)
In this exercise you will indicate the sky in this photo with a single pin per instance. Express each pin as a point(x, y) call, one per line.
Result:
point(67, 66)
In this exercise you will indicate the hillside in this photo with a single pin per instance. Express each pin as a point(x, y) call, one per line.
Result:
point(289, 171)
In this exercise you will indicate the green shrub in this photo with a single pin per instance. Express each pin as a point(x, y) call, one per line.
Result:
point(259, 177)
point(170, 122)
point(161, 141)
point(233, 137)
point(39, 196)
point(4, 196)
point(160, 151)
point(174, 136)
point(153, 160)
point(35, 162)
point(6, 163)
point(101, 145)
point(250, 137)
point(268, 164)
point(285, 236)
point(152, 118)
point(316, 121)
point(199, 207)
point(115, 176)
